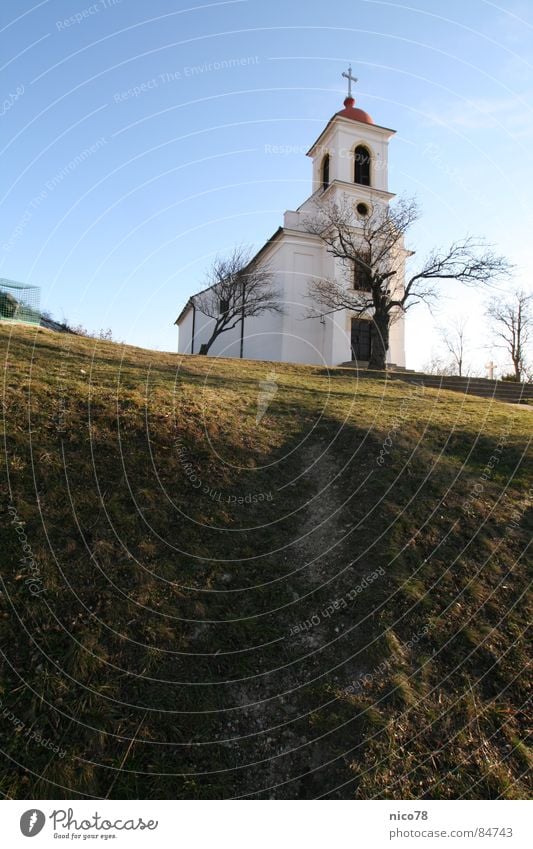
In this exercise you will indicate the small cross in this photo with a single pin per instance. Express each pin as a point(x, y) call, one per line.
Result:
point(351, 79)
point(490, 367)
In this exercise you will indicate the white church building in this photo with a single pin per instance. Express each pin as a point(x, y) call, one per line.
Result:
point(350, 160)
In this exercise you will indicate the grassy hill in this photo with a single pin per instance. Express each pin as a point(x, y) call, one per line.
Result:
point(330, 601)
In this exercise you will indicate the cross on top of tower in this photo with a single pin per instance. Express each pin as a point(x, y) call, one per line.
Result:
point(351, 79)
point(350, 110)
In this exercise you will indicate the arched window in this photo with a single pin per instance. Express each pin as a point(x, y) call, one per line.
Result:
point(362, 165)
point(325, 171)
point(361, 278)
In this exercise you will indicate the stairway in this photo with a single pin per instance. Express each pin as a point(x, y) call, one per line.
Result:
point(499, 390)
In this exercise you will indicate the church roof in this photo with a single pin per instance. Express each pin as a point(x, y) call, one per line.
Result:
point(353, 113)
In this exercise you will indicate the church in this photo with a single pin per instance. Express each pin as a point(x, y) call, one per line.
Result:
point(349, 161)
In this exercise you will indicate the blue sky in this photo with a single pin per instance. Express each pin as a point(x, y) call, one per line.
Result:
point(135, 140)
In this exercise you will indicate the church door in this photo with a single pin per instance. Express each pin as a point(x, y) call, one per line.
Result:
point(361, 339)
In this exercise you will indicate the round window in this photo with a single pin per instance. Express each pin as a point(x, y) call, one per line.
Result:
point(362, 209)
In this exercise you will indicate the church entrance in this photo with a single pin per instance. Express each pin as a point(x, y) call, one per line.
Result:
point(361, 339)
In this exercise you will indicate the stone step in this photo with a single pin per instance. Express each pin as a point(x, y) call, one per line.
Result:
point(518, 391)
point(351, 364)
point(468, 381)
point(490, 384)
point(498, 390)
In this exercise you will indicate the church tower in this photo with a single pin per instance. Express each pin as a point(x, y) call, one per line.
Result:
point(350, 163)
point(351, 155)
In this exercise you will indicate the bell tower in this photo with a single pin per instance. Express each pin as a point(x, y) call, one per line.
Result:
point(351, 154)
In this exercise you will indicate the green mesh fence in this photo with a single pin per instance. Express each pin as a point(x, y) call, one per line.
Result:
point(19, 302)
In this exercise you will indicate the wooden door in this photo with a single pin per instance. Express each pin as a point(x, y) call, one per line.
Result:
point(361, 339)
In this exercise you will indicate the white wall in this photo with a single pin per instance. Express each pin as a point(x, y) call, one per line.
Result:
point(225, 345)
point(397, 342)
point(262, 334)
point(184, 334)
point(303, 336)
point(340, 142)
point(341, 342)
point(293, 336)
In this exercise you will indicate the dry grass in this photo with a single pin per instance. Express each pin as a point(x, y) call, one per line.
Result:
point(165, 612)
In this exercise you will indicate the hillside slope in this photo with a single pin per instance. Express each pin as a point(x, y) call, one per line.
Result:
point(227, 579)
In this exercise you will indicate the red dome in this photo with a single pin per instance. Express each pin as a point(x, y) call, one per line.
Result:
point(350, 111)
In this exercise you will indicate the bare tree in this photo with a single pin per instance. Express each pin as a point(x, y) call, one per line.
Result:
point(9, 305)
point(512, 321)
point(371, 255)
point(454, 339)
point(238, 288)
point(436, 364)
